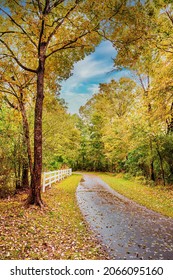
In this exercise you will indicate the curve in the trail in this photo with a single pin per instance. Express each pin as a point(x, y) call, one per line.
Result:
point(128, 230)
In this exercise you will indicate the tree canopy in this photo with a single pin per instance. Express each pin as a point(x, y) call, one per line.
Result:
point(127, 126)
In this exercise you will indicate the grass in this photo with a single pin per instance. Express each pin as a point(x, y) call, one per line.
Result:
point(57, 232)
point(157, 198)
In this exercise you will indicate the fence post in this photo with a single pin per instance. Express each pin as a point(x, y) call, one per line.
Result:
point(54, 176)
point(43, 187)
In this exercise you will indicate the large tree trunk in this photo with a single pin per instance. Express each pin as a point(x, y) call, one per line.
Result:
point(35, 190)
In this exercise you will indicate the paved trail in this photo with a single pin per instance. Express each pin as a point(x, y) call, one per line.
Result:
point(128, 231)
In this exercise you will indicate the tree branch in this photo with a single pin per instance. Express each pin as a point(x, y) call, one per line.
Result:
point(56, 4)
point(169, 16)
point(16, 59)
point(141, 81)
point(19, 26)
point(60, 23)
point(54, 22)
point(115, 12)
point(13, 91)
point(161, 47)
point(28, 83)
point(8, 32)
point(47, 7)
point(10, 103)
point(5, 90)
point(41, 35)
point(17, 3)
point(39, 6)
point(68, 45)
point(36, 6)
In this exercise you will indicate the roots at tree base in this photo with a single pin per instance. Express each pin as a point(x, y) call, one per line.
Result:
point(34, 197)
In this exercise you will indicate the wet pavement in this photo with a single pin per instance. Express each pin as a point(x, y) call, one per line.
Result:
point(127, 230)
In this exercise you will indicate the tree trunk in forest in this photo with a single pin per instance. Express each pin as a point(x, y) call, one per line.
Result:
point(35, 190)
point(146, 90)
point(170, 122)
point(26, 131)
point(152, 175)
point(161, 165)
point(17, 166)
point(83, 162)
point(171, 167)
point(25, 173)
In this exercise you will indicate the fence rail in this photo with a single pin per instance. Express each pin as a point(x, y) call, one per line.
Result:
point(54, 176)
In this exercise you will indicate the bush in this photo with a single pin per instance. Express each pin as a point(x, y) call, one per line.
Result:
point(7, 187)
point(127, 176)
point(141, 179)
point(137, 162)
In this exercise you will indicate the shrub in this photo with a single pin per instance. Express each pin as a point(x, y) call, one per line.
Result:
point(7, 187)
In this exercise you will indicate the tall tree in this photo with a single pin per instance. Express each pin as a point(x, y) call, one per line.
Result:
point(16, 89)
point(38, 36)
point(144, 43)
point(107, 116)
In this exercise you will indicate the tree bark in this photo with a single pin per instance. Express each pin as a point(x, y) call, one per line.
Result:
point(25, 179)
point(35, 190)
point(17, 165)
point(161, 165)
point(170, 122)
point(152, 175)
point(26, 132)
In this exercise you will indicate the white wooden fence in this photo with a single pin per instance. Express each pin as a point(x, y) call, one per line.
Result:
point(53, 176)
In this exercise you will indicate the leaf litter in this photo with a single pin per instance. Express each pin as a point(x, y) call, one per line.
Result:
point(56, 232)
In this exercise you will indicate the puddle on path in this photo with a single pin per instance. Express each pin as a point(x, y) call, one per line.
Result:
point(128, 231)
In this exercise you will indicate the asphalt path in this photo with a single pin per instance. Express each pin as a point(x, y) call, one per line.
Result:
point(127, 230)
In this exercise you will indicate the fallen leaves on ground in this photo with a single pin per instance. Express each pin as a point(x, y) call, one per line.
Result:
point(56, 232)
point(157, 198)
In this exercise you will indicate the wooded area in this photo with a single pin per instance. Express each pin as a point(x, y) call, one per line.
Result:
point(126, 127)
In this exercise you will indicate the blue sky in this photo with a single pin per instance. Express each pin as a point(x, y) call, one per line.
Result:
point(87, 74)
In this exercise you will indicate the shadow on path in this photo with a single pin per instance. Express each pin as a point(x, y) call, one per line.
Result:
point(128, 230)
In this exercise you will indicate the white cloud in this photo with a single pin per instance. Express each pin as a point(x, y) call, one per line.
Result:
point(93, 88)
point(87, 74)
point(90, 68)
point(85, 70)
point(76, 100)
